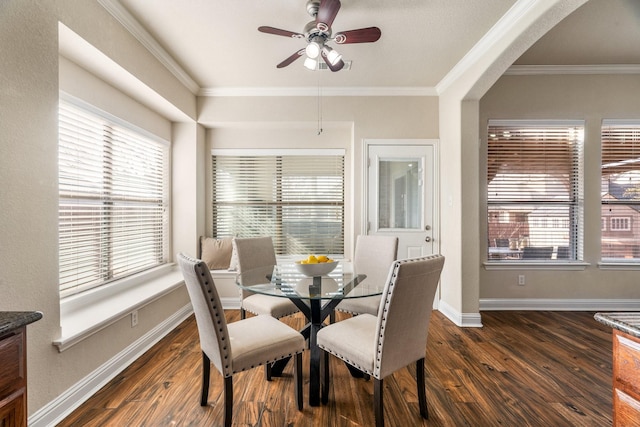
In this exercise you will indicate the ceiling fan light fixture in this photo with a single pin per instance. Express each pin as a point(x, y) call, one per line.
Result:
point(310, 63)
point(313, 49)
point(333, 56)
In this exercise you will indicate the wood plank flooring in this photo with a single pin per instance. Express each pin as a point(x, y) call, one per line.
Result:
point(521, 369)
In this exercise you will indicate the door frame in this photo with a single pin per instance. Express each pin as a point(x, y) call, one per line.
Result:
point(364, 200)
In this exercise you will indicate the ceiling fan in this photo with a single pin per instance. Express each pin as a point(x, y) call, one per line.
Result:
point(318, 33)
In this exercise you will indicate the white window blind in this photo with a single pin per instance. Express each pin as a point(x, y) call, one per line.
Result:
point(113, 199)
point(294, 196)
point(535, 182)
point(620, 190)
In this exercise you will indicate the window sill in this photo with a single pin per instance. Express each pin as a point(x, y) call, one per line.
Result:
point(85, 314)
point(536, 265)
point(620, 265)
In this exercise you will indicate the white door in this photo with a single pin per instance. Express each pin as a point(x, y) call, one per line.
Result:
point(401, 197)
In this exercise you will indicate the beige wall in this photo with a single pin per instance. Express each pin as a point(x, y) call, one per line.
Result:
point(29, 88)
point(28, 182)
point(283, 122)
point(585, 97)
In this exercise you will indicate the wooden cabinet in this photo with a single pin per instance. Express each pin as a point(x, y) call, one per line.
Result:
point(13, 379)
point(626, 379)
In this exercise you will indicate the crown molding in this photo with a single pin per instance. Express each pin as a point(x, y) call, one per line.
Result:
point(313, 91)
point(537, 70)
point(133, 26)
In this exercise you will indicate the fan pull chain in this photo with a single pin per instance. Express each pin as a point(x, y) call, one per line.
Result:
point(319, 104)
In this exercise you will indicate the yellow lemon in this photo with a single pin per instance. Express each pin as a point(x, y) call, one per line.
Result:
point(323, 258)
point(312, 259)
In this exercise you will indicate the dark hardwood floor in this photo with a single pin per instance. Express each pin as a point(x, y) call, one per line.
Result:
point(521, 369)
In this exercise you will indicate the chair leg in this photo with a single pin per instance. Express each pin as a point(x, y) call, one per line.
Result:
point(267, 371)
point(297, 373)
point(377, 402)
point(422, 397)
point(332, 317)
point(325, 377)
point(228, 401)
point(206, 371)
point(243, 313)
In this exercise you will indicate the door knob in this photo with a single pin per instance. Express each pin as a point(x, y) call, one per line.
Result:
point(427, 239)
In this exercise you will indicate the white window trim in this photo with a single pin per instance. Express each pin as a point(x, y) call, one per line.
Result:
point(536, 265)
point(617, 263)
point(84, 314)
point(541, 264)
point(278, 152)
point(293, 152)
point(616, 219)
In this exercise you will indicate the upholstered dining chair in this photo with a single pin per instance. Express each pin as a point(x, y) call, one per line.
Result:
point(396, 337)
point(237, 346)
point(251, 253)
point(373, 256)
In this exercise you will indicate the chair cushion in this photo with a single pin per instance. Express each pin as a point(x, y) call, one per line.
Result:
point(352, 340)
point(272, 306)
point(368, 305)
point(216, 253)
point(261, 339)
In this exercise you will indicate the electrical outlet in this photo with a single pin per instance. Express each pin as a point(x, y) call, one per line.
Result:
point(521, 280)
point(134, 318)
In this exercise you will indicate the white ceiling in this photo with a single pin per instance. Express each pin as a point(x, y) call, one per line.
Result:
point(217, 44)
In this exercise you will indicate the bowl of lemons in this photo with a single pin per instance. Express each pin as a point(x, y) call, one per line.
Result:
point(316, 265)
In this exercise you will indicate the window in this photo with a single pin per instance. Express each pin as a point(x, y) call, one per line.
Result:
point(294, 196)
point(113, 199)
point(620, 224)
point(620, 190)
point(534, 173)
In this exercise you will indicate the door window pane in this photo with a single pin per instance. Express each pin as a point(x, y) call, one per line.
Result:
point(399, 194)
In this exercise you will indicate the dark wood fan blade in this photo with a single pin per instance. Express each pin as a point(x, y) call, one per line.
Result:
point(326, 14)
point(333, 68)
point(290, 59)
point(279, 32)
point(363, 35)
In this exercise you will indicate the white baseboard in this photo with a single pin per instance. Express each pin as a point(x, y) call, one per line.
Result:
point(465, 320)
point(56, 410)
point(548, 304)
point(230, 303)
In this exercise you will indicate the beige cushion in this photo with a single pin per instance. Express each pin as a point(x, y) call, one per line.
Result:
point(362, 305)
point(262, 339)
point(360, 333)
point(216, 253)
point(265, 304)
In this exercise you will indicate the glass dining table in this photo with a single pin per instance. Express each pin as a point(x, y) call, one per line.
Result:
point(316, 297)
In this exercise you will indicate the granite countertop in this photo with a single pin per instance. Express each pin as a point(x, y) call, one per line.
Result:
point(10, 320)
point(628, 323)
